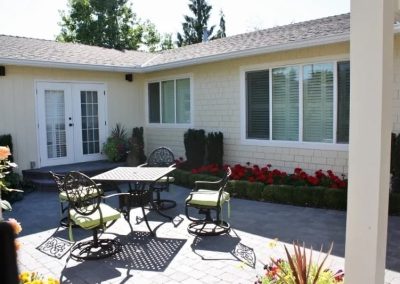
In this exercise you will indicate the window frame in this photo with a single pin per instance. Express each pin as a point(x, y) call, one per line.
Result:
point(283, 143)
point(159, 80)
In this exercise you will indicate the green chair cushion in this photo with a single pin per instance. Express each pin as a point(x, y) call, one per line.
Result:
point(93, 220)
point(91, 193)
point(205, 197)
point(166, 179)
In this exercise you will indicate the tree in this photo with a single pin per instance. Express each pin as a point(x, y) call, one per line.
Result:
point(110, 24)
point(221, 32)
point(195, 27)
point(166, 42)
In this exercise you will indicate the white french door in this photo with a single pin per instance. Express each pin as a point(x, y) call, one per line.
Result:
point(71, 122)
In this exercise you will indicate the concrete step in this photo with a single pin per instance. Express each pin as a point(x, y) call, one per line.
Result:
point(41, 178)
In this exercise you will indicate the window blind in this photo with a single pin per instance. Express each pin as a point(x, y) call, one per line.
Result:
point(183, 101)
point(318, 103)
point(285, 104)
point(154, 102)
point(343, 70)
point(168, 101)
point(257, 93)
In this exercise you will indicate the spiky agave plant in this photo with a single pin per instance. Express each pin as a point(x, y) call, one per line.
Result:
point(298, 269)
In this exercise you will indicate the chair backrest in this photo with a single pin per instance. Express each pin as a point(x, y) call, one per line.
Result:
point(82, 193)
point(223, 184)
point(161, 157)
point(58, 179)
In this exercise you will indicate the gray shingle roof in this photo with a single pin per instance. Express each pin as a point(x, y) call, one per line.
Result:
point(26, 49)
point(277, 36)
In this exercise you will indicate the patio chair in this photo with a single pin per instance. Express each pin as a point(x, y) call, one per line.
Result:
point(88, 212)
point(161, 157)
point(206, 201)
point(64, 203)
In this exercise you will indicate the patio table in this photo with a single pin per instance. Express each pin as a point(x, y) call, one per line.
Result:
point(140, 194)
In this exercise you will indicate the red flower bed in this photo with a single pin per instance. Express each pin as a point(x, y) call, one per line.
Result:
point(268, 175)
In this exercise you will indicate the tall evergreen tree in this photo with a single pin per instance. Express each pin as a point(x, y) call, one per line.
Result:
point(195, 27)
point(110, 23)
point(221, 31)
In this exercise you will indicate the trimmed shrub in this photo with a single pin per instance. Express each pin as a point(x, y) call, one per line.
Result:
point(282, 193)
point(312, 196)
point(195, 147)
point(302, 195)
point(317, 197)
point(136, 145)
point(181, 177)
point(240, 188)
point(215, 148)
point(268, 193)
point(254, 190)
point(335, 198)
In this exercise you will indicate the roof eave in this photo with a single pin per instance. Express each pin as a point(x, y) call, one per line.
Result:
point(250, 52)
point(65, 65)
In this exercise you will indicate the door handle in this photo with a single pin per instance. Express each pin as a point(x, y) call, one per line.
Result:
point(71, 124)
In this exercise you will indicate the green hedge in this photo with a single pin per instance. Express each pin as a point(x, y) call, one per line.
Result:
point(309, 196)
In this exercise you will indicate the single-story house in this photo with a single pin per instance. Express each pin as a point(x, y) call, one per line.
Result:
point(280, 96)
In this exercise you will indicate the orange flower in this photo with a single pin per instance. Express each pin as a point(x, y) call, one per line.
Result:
point(15, 225)
point(4, 152)
point(17, 245)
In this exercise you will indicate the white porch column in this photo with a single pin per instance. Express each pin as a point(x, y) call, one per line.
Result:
point(371, 59)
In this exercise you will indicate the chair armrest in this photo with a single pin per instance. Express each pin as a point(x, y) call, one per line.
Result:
point(114, 195)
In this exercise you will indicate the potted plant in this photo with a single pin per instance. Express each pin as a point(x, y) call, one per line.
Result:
point(116, 147)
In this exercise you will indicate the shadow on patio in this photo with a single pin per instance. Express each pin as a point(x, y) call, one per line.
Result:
point(176, 256)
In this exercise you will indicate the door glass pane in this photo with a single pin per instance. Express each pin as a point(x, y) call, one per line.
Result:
point(90, 122)
point(318, 103)
point(168, 102)
point(183, 101)
point(285, 104)
point(56, 138)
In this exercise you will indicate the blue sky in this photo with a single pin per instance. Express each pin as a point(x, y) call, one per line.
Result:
point(39, 18)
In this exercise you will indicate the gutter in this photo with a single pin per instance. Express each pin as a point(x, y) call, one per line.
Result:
point(64, 65)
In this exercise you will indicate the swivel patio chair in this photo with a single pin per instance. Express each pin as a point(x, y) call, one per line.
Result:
point(87, 211)
point(161, 157)
point(64, 203)
point(206, 201)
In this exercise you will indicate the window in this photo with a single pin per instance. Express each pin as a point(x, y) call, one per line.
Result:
point(285, 104)
point(343, 116)
point(257, 104)
point(297, 103)
point(318, 103)
point(169, 101)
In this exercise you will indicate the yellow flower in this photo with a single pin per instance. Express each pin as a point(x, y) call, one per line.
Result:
point(272, 244)
point(4, 152)
point(15, 225)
